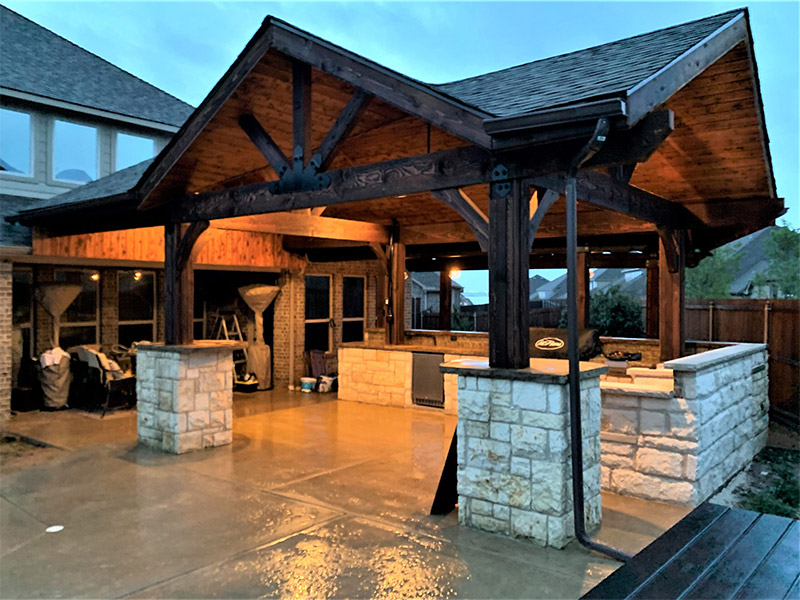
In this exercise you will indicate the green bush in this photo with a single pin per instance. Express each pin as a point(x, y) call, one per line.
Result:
point(614, 313)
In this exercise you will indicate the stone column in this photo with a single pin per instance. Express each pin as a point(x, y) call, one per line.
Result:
point(514, 469)
point(185, 395)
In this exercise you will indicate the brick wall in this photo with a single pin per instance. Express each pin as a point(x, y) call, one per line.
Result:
point(6, 279)
point(291, 311)
point(109, 308)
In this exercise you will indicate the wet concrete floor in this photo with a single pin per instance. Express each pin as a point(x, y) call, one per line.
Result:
point(314, 498)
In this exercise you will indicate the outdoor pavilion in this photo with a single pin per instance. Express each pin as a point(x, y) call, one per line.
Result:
point(648, 152)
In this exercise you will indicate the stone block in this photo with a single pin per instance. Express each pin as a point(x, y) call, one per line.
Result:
point(652, 487)
point(220, 400)
point(473, 405)
point(520, 466)
point(494, 487)
point(620, 421)
point(548, 488)
point(505, 414)
point(659, 462)
point(489, 524)
point(186, 442)
point(488, 454)
point(530, 525)
point(199, 360)
point(543, 420)
point(559, 530)
point(478, 429)
point(501, 512)
point(216, 418)
point(558, 445)
point(556, 399)
point(500, 431)
point(197, 420)
point(652, 423)
point(609, 448)
point(529, 442)
point(530, 395)
point(481, 507)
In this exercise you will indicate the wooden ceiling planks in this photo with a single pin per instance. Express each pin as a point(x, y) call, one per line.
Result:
point(716, 149)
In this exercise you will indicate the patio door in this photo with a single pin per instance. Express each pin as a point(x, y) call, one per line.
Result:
point(318, 313)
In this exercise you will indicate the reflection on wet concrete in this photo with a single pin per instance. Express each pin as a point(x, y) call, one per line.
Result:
point(314, 499)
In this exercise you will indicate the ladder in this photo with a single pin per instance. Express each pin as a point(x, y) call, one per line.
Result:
point(226, 327)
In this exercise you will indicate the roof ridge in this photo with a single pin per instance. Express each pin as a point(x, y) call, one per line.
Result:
point(82, 49)
point(612, 43)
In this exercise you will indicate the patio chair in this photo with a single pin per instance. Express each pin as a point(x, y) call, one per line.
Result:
point(101, 383)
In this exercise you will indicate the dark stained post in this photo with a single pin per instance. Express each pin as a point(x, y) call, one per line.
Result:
point(671, 268)
point(509, 288)
point(301, 114)
point(651, 326)
point(445, 300)
point(186, 334)
point(398, 268)
point(171, 284)
point(583, 288)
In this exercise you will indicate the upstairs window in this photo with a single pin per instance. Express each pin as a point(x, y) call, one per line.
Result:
point(133, 149)
point(15, 143)
point(74, 152)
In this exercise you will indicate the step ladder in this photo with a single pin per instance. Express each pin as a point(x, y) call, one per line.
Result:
point(226, 327)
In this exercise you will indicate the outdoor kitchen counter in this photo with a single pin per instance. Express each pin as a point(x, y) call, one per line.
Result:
point(460, 350)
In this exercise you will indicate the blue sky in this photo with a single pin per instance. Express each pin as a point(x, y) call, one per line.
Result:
point(185, 47)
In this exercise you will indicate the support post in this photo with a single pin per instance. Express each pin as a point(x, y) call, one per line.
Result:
point(651, 326)
point(179, 245)
point(509, 287)
point(171, 284)
point(445, 300)
point(398, 298)
point(671, 272)
point(583, 292)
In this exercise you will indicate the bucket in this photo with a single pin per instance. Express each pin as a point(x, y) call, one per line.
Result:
point(307, 384)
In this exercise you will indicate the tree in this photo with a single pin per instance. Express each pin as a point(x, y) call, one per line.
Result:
point(614, 313)
point(782, 248)
point(713, 276)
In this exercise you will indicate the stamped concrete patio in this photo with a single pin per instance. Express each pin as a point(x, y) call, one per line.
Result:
point(315, 498)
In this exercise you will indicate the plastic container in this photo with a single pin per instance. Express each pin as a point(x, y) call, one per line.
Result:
point(307, 384)
point(325, 383)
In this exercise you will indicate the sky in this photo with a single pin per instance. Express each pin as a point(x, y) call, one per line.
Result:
point(185, 47)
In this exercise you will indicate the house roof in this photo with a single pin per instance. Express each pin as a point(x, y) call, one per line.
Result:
point(601, 71)
point(429, 280)
point(37, 61)
point(752, 259)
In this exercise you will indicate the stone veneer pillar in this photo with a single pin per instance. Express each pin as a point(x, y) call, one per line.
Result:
point(6, 283)
point(185, 395)
point(514, 469)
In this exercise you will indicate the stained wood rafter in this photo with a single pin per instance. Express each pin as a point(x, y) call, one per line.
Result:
point(459, 201)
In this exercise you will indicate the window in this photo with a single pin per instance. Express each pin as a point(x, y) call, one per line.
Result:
point(15, 143)
point(80, 322)
point(74, 152)
point(353, 309)
point(22, 308)
point(137, 306)
point(133, 149)
point(318, 312)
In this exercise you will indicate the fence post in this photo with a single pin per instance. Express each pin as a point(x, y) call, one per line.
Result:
point(766, 321)
point(710, 320)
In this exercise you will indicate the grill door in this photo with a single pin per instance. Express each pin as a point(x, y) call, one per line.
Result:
point(427, 387)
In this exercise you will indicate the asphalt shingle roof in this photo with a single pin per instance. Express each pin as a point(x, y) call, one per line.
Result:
point(37, 61)
point(601, 71)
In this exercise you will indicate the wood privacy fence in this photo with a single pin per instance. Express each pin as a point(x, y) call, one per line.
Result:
point(774, 322)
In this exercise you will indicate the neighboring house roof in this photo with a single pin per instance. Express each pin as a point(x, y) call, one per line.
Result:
point(429, 281)
point(37, 61)
point(752, 259)
point(536, 282)
point(12, 234)
point(600, 71)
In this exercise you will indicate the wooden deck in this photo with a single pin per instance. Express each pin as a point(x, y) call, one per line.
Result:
point(714, 552)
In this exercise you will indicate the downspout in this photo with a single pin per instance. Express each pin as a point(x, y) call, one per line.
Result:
point(590, 149)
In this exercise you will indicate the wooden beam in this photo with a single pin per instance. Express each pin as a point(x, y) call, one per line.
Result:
point(651, 311)
point(398, 291)
point(301, 115)
point(172, 304)
point(509, 247)
point(546, 199)
point(583, 288)
point(622, 173)
point(187, 242)
point(445, 300)
point(307, 225)
point(455, 168)
point(671, 272)
point(406, 94)
point(608, 193)
point(460, 202)
point(265, 144)
point(659, 87)
point(341, 128)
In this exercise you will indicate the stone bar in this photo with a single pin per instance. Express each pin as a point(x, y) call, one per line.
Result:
point(678, 434)
point(185, 395)
point(514, 469)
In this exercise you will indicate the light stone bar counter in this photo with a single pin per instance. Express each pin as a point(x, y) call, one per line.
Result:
point(514, 469)
point(679, 433)
point(185, 395)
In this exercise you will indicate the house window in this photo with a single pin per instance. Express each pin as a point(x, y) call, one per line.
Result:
point(74, 152)
point(318, 312)
point(137, 306)
point(15, 143)
point(80, 323)
point(353, 309)
point(22, 308)
point(133, 149)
